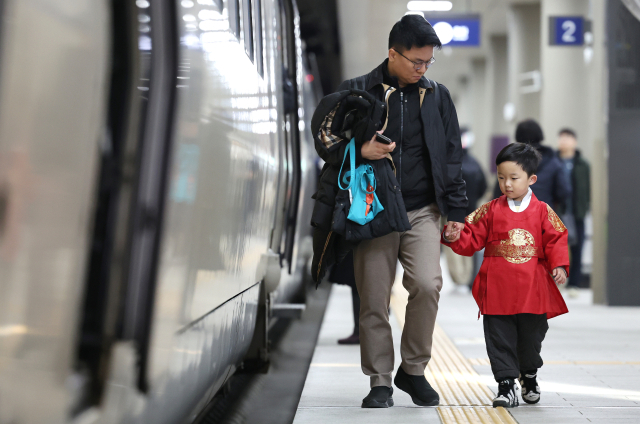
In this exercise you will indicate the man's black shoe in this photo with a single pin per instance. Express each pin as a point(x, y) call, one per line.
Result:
point(418, 388)
point(378, 397)
point(351, 340)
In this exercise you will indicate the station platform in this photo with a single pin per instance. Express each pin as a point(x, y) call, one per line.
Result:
point(591, 372)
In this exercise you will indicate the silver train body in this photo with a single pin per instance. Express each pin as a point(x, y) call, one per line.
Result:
point(155, 183)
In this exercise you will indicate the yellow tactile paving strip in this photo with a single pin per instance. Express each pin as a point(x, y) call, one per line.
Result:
point(485, 361)
point(463, 398)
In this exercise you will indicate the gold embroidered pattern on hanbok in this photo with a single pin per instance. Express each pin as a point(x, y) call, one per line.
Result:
point(477, 215)
point(518, 249)
point(555, 220)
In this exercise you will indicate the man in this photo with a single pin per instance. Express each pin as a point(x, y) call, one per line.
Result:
point(426, 151)
point(576, 207)
point(552, 187)
point(472, 173)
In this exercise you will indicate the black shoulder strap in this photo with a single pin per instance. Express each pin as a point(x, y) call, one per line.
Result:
point(436, 91)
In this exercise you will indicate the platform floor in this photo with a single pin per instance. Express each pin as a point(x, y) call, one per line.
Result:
point(591, 372)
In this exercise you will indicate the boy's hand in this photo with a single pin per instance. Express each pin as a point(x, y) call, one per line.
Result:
point(374, 150)
point(447, 238)
point(559, 275)
point(452, 233)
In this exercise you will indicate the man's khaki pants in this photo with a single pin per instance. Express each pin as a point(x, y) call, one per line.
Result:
point(375, 268)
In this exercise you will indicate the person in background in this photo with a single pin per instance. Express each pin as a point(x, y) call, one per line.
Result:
point(552, 187)
point(576, 207)
point(464, 269)
point(474, 176)
point(342, 273)
point(472, 172)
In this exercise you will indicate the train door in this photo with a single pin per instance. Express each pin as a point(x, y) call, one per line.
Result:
point(284, 237)
point(120, 283)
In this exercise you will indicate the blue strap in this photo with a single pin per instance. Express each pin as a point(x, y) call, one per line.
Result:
point(351, 148)
point(346, 179)
point(369, 180)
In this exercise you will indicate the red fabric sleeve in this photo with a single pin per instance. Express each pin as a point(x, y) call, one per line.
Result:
point(474, 235)
point(554, 240)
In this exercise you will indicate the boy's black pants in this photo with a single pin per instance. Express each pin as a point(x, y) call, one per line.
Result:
point(514, 343)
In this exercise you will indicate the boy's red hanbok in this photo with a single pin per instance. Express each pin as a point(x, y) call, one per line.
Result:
point(521, 250)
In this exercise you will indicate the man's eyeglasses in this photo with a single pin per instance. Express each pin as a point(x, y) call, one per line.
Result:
point(419, 64)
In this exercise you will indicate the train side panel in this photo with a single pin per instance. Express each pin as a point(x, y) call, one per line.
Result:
point(236, 169)
point(219, 215)
point(53, 87)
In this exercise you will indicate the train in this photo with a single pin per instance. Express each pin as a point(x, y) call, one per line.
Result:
point(156, 173)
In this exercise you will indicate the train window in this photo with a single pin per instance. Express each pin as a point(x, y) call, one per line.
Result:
point(259, 39)
point(248, 27)
point(284, 36)
point(234, 17)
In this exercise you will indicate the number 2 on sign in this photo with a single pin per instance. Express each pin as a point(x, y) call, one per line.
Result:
point(569, 28)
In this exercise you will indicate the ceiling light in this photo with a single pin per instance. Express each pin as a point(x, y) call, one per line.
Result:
point(430, 6)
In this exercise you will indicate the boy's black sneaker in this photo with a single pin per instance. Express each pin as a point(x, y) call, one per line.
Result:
point(379, 397)
point(530, 388)
point(507, 394)
point(418, 388)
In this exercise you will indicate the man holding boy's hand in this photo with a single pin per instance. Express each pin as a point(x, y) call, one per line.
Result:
point(453, 230)
point(427, 155)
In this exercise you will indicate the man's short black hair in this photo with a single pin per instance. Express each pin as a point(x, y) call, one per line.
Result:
point(529, 132)
point(523, 154)
point(413, 31)
point(568, 131)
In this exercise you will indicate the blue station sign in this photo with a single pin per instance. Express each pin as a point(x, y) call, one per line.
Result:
point(566, 30)
point(457, 31)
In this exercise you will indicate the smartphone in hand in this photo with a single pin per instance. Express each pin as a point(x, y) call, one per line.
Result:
point(383, 139)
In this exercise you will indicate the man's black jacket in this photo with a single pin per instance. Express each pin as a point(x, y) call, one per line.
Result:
point(441, 134)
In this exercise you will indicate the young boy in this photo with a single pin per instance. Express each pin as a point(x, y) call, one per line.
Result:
point(525, 245)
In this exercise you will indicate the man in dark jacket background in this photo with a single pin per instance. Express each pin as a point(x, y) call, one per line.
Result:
point(476, 182)
point(472, 173)
point(552, 186)
point(576, 206)
point(463, 269)
point(426, 152)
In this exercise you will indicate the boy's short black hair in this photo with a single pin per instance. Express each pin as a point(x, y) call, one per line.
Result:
point(413, 31)
point(523, 154)
point(568, 131)
point(529, 132)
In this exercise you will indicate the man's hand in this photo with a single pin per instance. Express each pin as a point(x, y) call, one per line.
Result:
point(559, 275)
point(374, 150)
point(452, 233)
